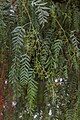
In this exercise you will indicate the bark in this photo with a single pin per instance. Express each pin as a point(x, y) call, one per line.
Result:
point(2, 87)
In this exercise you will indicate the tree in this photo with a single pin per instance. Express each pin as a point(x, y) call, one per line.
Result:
point(40, 60)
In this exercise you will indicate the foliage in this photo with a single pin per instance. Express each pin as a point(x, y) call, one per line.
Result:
point(42, 39)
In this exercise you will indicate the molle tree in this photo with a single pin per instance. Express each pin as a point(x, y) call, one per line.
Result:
point(39, 60)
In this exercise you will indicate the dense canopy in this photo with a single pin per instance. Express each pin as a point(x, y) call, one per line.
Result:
point(39, 59)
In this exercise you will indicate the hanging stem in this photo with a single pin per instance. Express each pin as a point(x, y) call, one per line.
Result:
point(62, 29)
